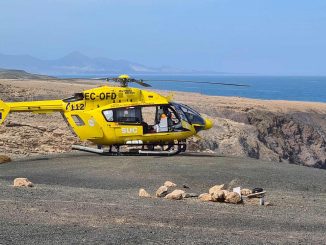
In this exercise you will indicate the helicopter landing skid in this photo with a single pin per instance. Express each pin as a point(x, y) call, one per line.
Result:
point(171, 151)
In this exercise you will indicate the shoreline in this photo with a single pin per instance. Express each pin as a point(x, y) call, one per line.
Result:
point(91, 83)
point(270, 87)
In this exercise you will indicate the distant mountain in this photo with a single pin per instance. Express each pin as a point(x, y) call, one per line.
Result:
point(20, 74)
point(76, 63)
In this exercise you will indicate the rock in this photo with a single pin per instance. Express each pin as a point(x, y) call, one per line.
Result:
point(296, 137)
point(143, 193)
point(216, 188)
point(58, 132)
point(169, 184)
point(245, 192)
point(233, 197)
point(205, 197)
point(4, 159)
point(218, 196)
point(175, 195)
point(268, 204)
point(162, 191)
point(189, 195)
point(225, 192)
point(22, 182)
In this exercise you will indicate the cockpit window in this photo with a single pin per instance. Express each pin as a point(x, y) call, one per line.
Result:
point(123, 115)
point(193, 116)
point(181, 114)
point(108, 114)
point(128, 115)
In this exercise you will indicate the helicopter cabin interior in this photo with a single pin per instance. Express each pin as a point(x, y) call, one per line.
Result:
point(154, 119)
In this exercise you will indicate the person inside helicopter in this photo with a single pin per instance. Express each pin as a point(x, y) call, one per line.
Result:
point(167, 119)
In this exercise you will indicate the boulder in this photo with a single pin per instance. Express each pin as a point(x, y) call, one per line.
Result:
point(268, 204)
point(162, 191)
point(225, 192)
point(143, 193)
point(169, 184)
point(175, 195)
point(4, 159)
point(205, 197)
point(233, 197)
point(216, 188)
point(22, 182)
point(218, 196)
point(245, 192)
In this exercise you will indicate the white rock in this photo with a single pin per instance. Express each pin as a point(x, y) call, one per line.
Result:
point(175, 195)
point(233, 197)
point(216, 188)
point(245, 192)
point(143, 193)
point(169, 184)
point(218, 196)
point(225, 192)
point(205, 197)
point(22, 182)
point(162, 191)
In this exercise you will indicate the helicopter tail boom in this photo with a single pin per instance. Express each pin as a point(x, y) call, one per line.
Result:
point(47, 106)
point(4, 111)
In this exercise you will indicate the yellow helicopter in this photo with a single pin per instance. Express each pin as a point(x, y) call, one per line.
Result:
point(116, 116)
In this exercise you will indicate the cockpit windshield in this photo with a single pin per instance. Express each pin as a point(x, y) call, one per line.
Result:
point(188, 114)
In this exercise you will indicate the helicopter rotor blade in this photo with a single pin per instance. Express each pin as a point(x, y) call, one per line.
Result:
point(203, 82)
point(107, 79)
point(140, 82)
point(101, 78)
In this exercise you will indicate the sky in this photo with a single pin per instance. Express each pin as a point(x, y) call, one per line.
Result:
point(263, 37)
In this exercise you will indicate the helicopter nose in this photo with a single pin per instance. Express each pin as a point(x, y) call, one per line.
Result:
point(208, 124)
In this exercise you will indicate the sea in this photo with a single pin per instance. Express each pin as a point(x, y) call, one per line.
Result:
point(294, 88)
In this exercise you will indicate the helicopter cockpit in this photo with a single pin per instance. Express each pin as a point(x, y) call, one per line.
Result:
point(188, 114)
point(156, 119)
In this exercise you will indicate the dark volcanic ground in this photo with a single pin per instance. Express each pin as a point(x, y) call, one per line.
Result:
point(90, 199)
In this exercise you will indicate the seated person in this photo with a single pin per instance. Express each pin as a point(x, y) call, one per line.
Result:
point(162, 125)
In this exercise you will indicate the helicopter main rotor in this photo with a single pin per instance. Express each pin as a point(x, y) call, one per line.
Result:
point(124, 80)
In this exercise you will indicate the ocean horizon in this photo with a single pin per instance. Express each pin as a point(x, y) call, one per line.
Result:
point(293, 88)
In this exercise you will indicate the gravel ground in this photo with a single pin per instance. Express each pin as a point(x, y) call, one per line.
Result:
point(80, 198)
